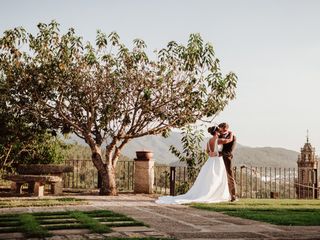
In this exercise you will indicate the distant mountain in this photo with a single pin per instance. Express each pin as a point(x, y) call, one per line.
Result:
point(254, 156)
point(266, 157)
point(250, 156)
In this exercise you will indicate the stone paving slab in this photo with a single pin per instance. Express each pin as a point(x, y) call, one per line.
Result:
point(75, 237)
point(219, 235)
point(70, 231)
point(132, 229)
point(11, 236)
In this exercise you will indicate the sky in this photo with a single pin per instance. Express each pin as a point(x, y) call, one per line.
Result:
point(273, 46)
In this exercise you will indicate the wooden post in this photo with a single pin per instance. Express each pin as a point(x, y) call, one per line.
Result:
point(297, 183)
point(246, 182)
point(315, 181)
point(260, 182)
point(279, 182)
point(251, 182)
point(241, 182)
point(265, 182)
point(172, 180)
point(270, 180)
point(256, 169)
point(290, 183)
point(284, 182)
point(275, 179)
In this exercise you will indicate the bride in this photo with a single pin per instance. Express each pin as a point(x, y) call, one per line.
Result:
point(211, 185)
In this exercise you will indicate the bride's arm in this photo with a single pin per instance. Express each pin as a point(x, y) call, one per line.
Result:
point(226, 140)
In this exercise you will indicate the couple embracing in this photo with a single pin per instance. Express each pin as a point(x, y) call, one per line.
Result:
point(215, 182)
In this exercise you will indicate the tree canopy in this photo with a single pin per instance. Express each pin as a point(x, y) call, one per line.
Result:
point(106, 92)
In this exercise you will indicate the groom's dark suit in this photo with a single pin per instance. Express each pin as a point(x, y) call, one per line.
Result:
point(227, 154)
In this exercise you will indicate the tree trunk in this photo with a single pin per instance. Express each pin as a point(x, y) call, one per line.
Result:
point(111, 187)
point(106, 173)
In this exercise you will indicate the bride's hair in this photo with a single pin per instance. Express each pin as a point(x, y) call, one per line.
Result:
point(213, 129)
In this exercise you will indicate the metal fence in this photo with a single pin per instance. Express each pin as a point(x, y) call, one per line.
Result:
point(85, 175)
point(252, 182)
point(266, 182)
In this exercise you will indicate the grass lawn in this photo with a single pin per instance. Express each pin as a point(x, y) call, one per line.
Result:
point(41, 202)
point(39, 224)
point(275, 211)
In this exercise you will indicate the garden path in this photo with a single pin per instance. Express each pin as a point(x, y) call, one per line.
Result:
point(183, 222)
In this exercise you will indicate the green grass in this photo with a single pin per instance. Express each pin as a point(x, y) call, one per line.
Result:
point(54, 221)
point(275, 211)
point(31, 227)
point(93, 224)
point(39, 224)
point(49, 202)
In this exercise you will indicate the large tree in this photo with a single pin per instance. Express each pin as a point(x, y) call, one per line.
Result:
point(107, 93)
point(23, 139)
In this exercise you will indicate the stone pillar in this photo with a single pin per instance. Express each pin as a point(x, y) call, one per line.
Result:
point(143, 172)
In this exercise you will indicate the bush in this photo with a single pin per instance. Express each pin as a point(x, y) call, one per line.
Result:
point(42, 149)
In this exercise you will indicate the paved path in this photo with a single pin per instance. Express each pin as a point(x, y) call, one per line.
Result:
point(183, 222)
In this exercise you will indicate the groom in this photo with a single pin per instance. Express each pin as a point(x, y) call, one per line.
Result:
point(227, 154)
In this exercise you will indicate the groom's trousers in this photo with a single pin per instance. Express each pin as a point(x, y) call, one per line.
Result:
point(227, 158)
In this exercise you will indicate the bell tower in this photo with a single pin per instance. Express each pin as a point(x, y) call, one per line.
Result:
point(308, 163)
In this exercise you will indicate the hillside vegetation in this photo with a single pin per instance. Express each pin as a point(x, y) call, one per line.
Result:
point(254, 156)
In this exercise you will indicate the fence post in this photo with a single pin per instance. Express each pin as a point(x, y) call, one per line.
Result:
point(241, 182)
point(251, 182)
point(172, 180)
point(315, 181)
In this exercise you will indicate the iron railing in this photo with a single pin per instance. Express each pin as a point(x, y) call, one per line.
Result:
point(85, 175)
point(252, 182)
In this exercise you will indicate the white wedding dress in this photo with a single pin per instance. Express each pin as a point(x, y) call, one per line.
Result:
point(211, 185)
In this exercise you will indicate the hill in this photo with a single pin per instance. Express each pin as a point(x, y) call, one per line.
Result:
point(244, 155)
point(254, 156)
point(266, 157)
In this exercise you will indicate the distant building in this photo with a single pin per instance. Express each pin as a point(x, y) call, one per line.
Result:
point(308, 164)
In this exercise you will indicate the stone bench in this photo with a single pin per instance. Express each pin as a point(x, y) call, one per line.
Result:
point(36, 176)
point(35, 183)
